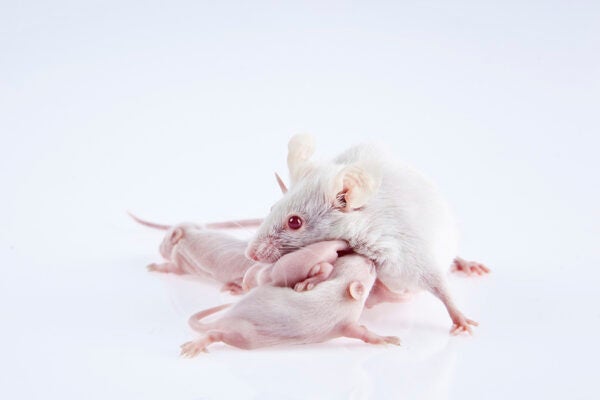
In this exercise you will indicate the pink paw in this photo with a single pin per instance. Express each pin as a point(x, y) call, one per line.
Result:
point(469, 267)
point(153, 267)
point(317, 274)
point(233, 288)
point(164, 268)
point(395, 340)
point(305, 285)
point(157, 268)
point(193, 348)
point(462, 325)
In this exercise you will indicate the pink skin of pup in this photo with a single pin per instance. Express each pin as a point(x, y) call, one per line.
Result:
point(270, 315)
point(192, 249)
point(301, 269)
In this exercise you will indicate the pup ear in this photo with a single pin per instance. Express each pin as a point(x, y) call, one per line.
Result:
point(300, 148)
point(356, 290)
point(355, 184)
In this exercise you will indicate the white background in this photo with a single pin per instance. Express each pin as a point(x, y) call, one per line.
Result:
point(182, 111)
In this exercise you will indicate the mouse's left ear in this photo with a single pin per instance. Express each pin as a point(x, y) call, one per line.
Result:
point(356, 290)
point(355, 184)
point(301, 147)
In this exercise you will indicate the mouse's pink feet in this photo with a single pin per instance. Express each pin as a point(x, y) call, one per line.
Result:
point(361, 332)
point(193, 348)
point(469, 267)
point(166, 267)
point(316, 275)
point(461, 324)
point(232, 288)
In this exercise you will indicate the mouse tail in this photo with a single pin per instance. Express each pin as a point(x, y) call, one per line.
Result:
point(242, 223)
point(147, 223)
point(194, 320)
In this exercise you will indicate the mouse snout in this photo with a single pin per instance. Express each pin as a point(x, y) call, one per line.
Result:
point(264, 251)
point(251, 254)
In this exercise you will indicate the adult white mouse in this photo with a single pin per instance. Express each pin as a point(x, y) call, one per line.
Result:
point(386, 211)
point(270, 315)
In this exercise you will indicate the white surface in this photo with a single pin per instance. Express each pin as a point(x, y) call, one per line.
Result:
point(182, 112)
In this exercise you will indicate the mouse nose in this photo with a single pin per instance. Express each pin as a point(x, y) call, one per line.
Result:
point(251, 254)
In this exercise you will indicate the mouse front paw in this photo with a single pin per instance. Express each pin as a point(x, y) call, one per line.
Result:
point(316, 275)
point(305, 285)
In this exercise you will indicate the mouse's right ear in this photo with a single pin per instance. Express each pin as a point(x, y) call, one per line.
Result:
point(355, 184)
point(300, 148)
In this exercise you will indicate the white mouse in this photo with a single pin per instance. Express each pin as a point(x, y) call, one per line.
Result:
point(386, 211)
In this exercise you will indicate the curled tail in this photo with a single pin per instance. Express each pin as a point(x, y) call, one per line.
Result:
point(194, 320)
point(149, 224)
point(242, 223)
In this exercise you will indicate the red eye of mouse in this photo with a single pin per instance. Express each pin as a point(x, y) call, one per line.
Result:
point(294, 222)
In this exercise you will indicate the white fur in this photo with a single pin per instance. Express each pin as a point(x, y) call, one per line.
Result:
point(300, 148)
point(395, 217)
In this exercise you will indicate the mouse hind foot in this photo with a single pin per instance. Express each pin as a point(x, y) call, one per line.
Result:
point(167, 268)
point(361, 332)
point(469, 267)
point(460, 324)
point(193, 348)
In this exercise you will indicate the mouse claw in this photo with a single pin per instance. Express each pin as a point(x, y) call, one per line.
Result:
point(469, 267)
point(192, 349)
point(463, 325)
point(393, 340)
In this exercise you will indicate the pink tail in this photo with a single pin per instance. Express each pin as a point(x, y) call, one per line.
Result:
point(194, 320)
point(146, 223)
point(242, 223)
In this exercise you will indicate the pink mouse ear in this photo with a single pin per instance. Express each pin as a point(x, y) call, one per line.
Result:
point(355, 184)
point(356, 290)
point(301, 147)
point(282, 186)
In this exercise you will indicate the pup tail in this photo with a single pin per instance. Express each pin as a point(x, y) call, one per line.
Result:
point(242, 223)
point(194, 320)
point(149, 224)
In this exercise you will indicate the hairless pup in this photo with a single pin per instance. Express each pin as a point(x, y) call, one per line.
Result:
point(270, 315)
point(191, 249)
